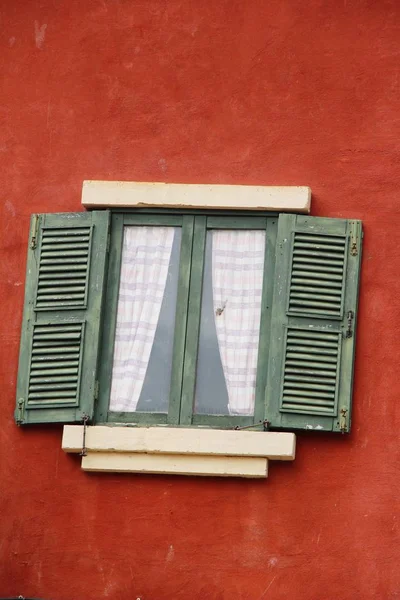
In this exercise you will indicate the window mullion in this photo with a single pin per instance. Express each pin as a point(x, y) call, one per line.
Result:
point(181, 320)
point(193, 320)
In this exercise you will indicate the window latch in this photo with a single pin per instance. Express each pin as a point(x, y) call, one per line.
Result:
point(264, 423)
point(85, 419)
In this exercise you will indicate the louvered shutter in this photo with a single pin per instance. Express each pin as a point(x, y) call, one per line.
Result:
point(61, 324)
point(314, 312)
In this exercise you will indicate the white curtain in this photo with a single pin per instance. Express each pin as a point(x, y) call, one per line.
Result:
point(145, 260)
point(237, 273)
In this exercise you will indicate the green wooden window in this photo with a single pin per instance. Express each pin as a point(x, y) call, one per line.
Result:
point(305, 336)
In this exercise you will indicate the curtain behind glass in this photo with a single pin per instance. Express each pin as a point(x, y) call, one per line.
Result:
point(237, 274)
point(145, 260)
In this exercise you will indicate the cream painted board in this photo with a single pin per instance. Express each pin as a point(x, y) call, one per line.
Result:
point(131, 194)
point(221, 466)
point(179, 440)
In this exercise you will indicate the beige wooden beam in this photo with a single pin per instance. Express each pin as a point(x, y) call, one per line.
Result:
point(221, 466)
point(131, 194)
point(179, 440)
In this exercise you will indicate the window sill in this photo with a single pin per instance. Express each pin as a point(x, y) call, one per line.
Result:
point(179, 451)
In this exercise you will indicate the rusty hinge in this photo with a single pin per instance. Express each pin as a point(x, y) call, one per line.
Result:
point(343, 426)
point(349, 330)
point(20, 411)
point(35, 225)
point(354, 238)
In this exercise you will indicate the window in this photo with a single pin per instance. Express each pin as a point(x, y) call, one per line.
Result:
point(204, 318)
point(184, 319)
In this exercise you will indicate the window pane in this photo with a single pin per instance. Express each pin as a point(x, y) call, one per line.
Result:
point(145, 319)
point(230, 322)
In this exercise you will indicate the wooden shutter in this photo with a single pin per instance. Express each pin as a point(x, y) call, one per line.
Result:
point(61, 325)
point(314, 313)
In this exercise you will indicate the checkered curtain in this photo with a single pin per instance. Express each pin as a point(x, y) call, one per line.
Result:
point(145, 260)
point(237, 274)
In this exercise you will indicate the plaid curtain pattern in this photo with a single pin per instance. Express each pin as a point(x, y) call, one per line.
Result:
point(237, 274)
point(146, 255)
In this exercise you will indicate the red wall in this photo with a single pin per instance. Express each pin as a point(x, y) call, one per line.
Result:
point(279, 92)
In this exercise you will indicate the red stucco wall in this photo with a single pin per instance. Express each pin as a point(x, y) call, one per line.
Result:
point(256, 92)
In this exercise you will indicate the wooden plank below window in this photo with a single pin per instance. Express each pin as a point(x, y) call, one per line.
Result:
point(179, 440)
point(221, 466)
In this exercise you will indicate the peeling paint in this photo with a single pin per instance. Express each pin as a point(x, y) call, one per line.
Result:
point(40, 33)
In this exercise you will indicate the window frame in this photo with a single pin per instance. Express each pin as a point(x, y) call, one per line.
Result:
point(195, 223)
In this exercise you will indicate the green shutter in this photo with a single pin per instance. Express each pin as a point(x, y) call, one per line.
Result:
point(61, 324)
point(314, 314)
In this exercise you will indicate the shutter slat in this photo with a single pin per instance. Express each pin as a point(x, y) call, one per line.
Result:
point(316, 283)
point(50, 269)
point(60, 232)
point(50, 299)
point(46, 290)
point(80, 259)
point(316, 295)
point(321, 350)
point(310, 377)
point(47, 379)
point(43, 387)
point(309, 409)
point(314, 303)
point(317, 261)
point(316, 274)
point(47, 274)
point(295, 372)
point(307, 365)
point(319, 254)
point(65, 245)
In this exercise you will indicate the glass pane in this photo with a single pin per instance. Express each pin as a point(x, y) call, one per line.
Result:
point(148, 289)
point(230, 322)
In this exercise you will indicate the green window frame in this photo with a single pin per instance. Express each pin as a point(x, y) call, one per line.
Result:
point(307, 331)
point(186, 335)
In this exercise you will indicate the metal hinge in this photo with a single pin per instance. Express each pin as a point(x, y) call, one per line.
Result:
point(35, 225)
point(354, 238)
point(20, 411)
point(349, 330)
point(343, 424)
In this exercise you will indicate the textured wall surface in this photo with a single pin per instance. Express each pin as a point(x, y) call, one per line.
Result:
point(283, 92)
